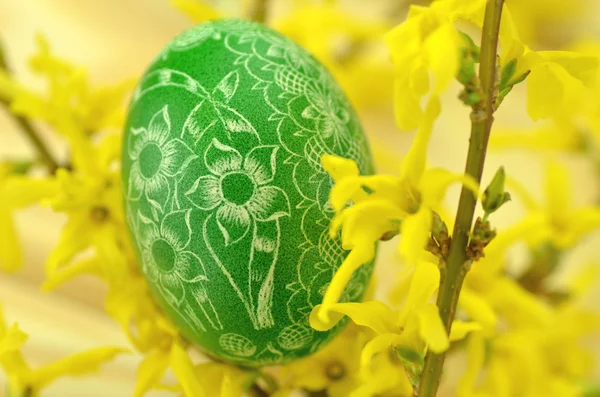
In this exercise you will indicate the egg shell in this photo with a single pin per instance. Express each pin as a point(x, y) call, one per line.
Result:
point(225, 195)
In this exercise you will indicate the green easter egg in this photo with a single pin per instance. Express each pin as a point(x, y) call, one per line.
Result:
point(225, 195)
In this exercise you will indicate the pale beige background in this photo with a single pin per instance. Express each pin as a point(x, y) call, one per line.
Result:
point(116, 39)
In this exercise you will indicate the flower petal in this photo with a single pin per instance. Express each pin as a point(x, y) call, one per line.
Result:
point(220, 158)
point(183, 368)
point(260, 163)
point(460, 329)
point(477, 309)
point(431, 329)
point(415, 231)
point(172, 286)
point(158, 191)
point(206, 193)
point(234, 222)
point(136, 183)
point(339, 167)
point(176, 229)
point(12, 339)
point(189, 267)
point(160, 126)
point(268, 203)
point(150, 371)
point(77, 364)
point(373, 314)
point(176, 157)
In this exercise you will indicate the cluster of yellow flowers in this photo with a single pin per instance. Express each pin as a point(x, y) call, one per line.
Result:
point(521, 337)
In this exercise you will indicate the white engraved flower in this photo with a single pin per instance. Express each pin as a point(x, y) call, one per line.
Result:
point(238, 189)
point(157, 157)
point(165, 255)
point(330, 114)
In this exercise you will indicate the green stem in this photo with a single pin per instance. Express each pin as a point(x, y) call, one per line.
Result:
point(257, 11)
point(457, 263)
point(28, 128)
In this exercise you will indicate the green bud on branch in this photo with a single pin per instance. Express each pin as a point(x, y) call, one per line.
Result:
point(495, 196)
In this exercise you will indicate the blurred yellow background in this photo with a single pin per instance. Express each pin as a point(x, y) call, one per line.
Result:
point(116, 39)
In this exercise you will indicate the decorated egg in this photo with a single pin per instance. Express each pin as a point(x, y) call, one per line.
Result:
point(225, 195)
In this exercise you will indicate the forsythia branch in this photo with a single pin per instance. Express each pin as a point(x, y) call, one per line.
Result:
point(453, 274)
point(28, 128)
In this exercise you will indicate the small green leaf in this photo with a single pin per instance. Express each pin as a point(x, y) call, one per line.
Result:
point(519, 79)
point(508, 71)
point(495, 196)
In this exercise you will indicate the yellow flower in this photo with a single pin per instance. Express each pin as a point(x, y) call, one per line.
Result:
point(348, 45)
point(559, 82)
point(335, 368)
point(197, 11)
point(22, 380)
point(11, 339)
point(427, 42)
point(530, 361)
point(71, 106)
point(558, 221)
point(404, 203)
point(199, 380)
point(17, 191)
point(410, 330)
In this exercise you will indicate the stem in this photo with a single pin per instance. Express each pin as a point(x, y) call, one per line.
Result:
point(26, 126)
point(457, 264)
point(257, 10)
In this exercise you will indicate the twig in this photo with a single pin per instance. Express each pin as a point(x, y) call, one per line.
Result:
point(457, 264)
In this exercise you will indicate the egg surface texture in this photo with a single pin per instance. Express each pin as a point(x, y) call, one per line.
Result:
point(226, 198)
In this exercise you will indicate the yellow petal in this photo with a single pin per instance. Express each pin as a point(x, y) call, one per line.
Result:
point(443, 52)
point(552, 91)
point(475, 360)
point(413, 165)
point(425, 281)
point(357, 257)
point(11, 254)
point(381, 343)
point(12, 339)
point(558, 192)
point(432, 329)
point(64, 274)
point(415, 232)
point(150, 371)
point(339, 167)
point(77, 364)
point(477, 309)
point(435, 182)
point(20, 191)
point(583, 67)
point(197, 11)
point(373, 314)
point(460, 329)
point(184, 371)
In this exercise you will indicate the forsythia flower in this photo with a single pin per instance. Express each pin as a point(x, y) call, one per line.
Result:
point(346, 44)
point(24, 381)
point(403, 204)
point(17, 191)
point(72, 107)
point(557, 221)
point(429, 43)
point(335, 368)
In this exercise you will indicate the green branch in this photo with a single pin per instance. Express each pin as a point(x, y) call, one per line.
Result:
point(27, 127)
point(257, 10)
point(457, 263)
